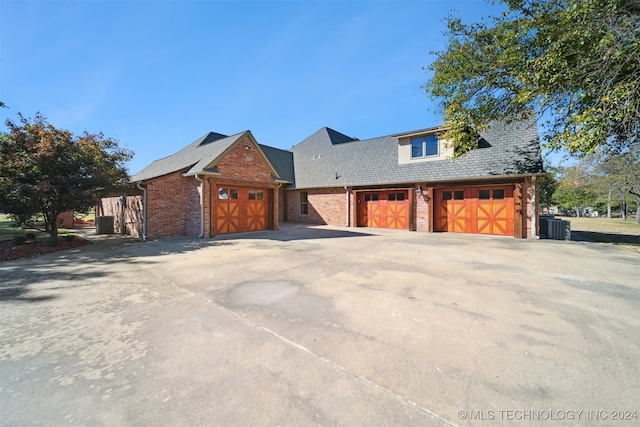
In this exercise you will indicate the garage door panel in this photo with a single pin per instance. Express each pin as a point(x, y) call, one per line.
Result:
point(397, 216)
point(256, 216)
point(228, 217)
point(240, 209)
point(363, 217)
point(441, 222)
point(494, 218)
point(484, 210)
point(373, 214)
point(458, 219)
point(383, 209)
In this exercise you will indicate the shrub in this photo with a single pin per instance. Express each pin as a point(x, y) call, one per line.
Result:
point(69, 237)
point(30, 235)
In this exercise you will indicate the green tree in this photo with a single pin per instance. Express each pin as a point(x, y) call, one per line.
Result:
point(46, 171)
point(548, 185)
point(621, 174)
point(574, 189)
point(573, 63)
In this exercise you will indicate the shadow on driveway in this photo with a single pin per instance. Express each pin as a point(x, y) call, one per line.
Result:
point(292, 232)
point(22, 277)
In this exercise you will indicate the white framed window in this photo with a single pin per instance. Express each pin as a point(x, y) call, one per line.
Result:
point(424, 146)
point(304, 203)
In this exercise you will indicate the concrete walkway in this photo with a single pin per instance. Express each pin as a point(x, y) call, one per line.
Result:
point(322, 326)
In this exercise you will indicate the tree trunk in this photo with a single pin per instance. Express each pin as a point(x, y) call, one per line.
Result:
point(52, 219)
point(638, 210)
point(623, 209)
point(609, 203)
point(47, 228)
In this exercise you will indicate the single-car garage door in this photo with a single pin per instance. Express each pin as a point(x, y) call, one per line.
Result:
point(239, 209)
point(384, 209)
point(484, 210)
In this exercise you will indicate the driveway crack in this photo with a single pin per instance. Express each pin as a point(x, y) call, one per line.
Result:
point(323, 359)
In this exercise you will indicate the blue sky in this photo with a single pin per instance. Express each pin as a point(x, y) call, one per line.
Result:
point(157, 75)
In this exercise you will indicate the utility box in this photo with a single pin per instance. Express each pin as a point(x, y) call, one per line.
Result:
point(104, 225)
point(559, 229)
point(544, 225)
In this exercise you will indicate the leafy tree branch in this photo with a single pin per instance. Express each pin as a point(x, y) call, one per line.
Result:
point(47, 171)
point(573, 63)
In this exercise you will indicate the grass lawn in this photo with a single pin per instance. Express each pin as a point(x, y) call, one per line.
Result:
point(8, 231)
point(16, 244)
point(91, 216)
point(625, 234)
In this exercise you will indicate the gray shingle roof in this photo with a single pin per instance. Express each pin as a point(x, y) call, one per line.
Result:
point(281, 160)
point(320, 161)
point(331, 159)
point(192, 159)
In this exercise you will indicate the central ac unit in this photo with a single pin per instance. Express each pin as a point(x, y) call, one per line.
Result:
point(559, 229)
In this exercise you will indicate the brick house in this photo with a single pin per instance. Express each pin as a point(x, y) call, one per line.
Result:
point(218, 184)
point(225, 184)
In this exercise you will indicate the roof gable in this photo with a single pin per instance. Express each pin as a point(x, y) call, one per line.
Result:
point(200, 157)
point(207, 163)
point(208, 146)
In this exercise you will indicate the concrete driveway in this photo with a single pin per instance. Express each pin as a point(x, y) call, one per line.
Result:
point(322, 326)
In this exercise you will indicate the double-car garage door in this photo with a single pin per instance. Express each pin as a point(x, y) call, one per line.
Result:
point(484, 210)
point(239, 209)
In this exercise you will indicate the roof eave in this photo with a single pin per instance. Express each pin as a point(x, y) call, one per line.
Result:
point(208, 173)
point(282, 181)
point(435, 129)
point(427, 181)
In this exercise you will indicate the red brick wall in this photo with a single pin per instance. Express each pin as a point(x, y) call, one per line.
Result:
point(282, 204)
point(110, 206)
point(326, 206)
point(527, 191)
point(65, 220)
point(422, 210)
point(173, 206)
point(244, 164)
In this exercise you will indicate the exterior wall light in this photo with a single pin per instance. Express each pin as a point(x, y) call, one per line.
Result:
point(419, 191)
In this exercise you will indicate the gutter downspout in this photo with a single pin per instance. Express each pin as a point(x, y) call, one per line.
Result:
point(123, 205)
point(347, 210)
point(534, 210)
point(282, 202)
point(144, 210)
point(201, 205)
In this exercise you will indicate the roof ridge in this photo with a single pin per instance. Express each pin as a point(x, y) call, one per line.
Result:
point(211, 137)
point(338, 137)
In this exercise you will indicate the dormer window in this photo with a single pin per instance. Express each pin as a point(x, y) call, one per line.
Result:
point(424, 146)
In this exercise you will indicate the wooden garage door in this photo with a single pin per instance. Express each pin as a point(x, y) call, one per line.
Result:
point(384, 209)
point(241, 209)
point(484, 210)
